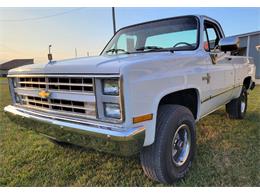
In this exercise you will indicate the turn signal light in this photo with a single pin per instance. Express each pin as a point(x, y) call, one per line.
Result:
point(142, 118)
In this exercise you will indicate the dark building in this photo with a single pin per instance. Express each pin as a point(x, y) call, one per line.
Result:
point(13, 64)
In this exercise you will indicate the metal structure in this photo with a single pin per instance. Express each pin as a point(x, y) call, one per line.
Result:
point(250, 46)
point(13, 64)
point(114, 20)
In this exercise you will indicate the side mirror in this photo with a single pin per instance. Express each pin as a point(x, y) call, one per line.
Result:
point(229, 44)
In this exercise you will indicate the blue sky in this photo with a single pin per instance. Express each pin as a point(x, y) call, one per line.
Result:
point(26, 32)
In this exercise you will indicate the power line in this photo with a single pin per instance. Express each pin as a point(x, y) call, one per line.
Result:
point(41, 17)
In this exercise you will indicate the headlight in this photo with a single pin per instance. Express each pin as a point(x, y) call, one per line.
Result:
point(109, 99)
point(110, 87)
point(112, 110)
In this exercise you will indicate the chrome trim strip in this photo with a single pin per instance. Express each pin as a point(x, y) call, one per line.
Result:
point(211, 97)
point(65, 75)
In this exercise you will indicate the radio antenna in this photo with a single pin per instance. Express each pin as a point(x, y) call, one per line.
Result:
point(49, 54)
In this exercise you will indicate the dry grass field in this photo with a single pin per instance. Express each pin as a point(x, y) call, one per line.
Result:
point(228, 154)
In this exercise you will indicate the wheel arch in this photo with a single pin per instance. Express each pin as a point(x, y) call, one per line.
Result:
point(247, 82)
point(189, 98)
point(151, 126)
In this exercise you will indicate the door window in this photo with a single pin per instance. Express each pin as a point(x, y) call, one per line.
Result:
point(211, 36)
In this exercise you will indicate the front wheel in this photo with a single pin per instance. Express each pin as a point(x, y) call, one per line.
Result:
point(169, 158)
point(236, 109)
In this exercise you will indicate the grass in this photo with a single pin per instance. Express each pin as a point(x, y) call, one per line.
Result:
point(228, 154)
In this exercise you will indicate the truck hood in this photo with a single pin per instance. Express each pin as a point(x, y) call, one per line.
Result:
point(92, 65)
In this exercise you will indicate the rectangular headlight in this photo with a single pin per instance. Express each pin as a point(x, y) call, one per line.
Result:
point(112, 110)
point(109, 99)
point(110, 87)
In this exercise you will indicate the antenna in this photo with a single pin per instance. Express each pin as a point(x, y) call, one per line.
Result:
point(49, 54)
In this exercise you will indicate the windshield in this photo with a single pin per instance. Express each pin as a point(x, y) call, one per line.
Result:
point(165, 35)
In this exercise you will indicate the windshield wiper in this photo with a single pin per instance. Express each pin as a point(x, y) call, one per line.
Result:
point(148, 48)
point(154, 48)
point(117, 50)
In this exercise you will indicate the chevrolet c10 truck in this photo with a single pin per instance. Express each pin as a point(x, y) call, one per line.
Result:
point(142, 95)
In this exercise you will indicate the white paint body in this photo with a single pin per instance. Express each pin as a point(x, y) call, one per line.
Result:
point(148, 77)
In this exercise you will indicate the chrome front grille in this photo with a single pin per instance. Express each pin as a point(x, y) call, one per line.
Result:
point(72, 96)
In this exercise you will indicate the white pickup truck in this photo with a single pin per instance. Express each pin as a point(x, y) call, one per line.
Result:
point(142, 94)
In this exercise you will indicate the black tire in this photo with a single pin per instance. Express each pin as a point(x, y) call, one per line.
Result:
point(236, 109)
point(157, 159)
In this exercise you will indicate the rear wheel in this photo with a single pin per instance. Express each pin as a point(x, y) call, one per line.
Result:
point(236, 109)
point(170, 156)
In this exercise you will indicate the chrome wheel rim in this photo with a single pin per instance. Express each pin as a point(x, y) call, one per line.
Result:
point(181, 144)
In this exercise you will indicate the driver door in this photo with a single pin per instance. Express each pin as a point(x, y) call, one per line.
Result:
point(221, 71)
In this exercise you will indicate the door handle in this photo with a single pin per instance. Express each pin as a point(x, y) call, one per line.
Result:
point(207, 78)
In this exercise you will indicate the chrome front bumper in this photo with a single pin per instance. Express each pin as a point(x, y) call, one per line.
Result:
point(118, 141)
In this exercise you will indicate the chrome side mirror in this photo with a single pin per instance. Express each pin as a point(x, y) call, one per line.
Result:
point(229, 44)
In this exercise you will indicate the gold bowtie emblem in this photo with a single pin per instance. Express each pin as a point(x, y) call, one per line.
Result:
point(44, 94)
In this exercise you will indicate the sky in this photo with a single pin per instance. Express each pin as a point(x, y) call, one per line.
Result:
point(27, 32)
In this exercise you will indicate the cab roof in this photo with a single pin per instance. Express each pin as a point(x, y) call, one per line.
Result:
point(200, 17)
